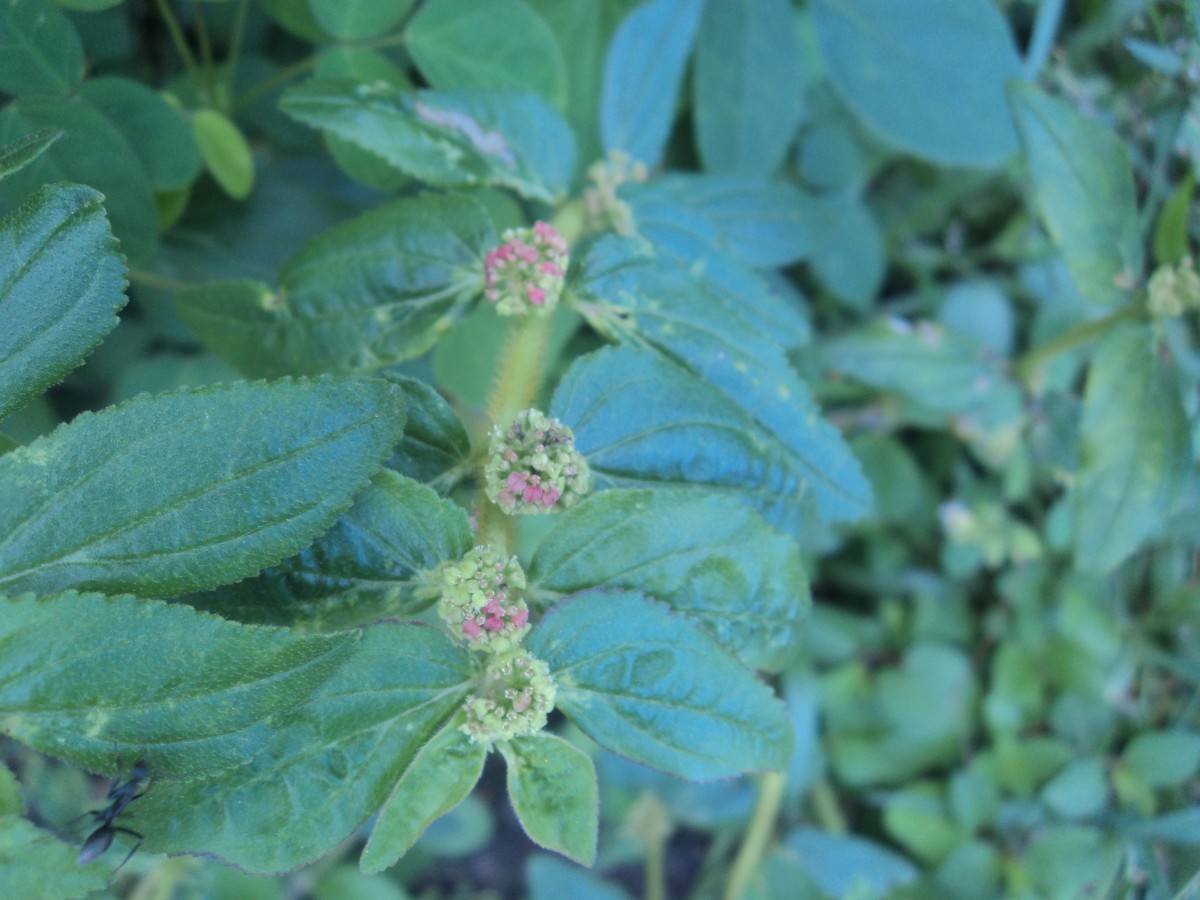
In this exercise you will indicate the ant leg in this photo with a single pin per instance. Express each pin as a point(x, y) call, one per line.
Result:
point(128, 856)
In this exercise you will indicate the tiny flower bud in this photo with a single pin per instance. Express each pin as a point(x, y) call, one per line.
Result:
point(1173, 289)
point(526, 273)
point(514, 696)
point(606, 176)
point(481, 600)
point(533, 467)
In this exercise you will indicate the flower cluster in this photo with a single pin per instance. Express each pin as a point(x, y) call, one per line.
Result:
point(481, 600)
point(1174, 289)
point(533, 466)
point(606, 209)
point(514, 697)
point(525, 273)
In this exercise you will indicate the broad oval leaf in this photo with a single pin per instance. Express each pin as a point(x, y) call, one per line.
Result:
point(459, 138)
point(928, 77)
point(748, 85)
point(653, 686)
point(370, 292)
point(363, 568)
point(352, 20)
point(500, 45)
point(226, 153)
point(642, 73)
point(440, 777)
point(1083, 187)
point(1136, 447)
point(325, 768)
point(62, 282)
point(192, 489)
point(709, 557)
point(88, 677)
point(552, 787)
point(35, 863)
point(16, 155)
point(40, 52)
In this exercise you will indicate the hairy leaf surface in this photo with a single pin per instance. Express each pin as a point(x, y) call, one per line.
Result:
point(552, 786)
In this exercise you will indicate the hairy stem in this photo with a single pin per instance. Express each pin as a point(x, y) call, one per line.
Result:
point(1028, 364)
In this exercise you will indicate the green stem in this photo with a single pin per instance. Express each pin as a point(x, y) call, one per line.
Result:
point(754, 847)
point(656, 873)
point(181, 47)
point(1028, 364)
point(235, 46)
point(206, 54)
point(154, 280)
point(827, 809)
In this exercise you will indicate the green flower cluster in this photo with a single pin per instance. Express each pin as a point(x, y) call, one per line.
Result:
point(514, 697)
point(533, 466)
point(1173, 290)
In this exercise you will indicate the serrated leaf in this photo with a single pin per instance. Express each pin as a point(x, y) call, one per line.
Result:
point(40, 52)
point(21, 152)
point(1083, 187)
point(363, 568)
point(1136, 449)
point(890, 60)
point(62, 283)
point(352, 20)
point(552, 787)
point(86, 676)
point(440, 777)
point(707, 556)
point(192, 489)
point(653, 686)
point(435, 443)
point(500, 45)
point(748, 86)
point(326, 767)
point(370, 292)
point(448, 139)
point(649, 299)
point(34, 863)
point(642, 73)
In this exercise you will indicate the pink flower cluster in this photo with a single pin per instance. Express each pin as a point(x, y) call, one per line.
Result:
point(482, 600)
point(526, 272)
point(494, 617)
point(529, 488)
point(533, 465)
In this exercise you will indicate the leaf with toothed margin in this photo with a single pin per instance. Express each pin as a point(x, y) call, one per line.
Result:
point(88, 678)
point(435, 443)
point(326, 766)
point(191, 489)
point(653, 686)
point(709, 557)
point(552, 787)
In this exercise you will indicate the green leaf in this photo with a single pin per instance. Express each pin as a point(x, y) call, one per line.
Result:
point(85, 675)
point(1163, 758)
point(642, 73)
point(440, 777)
point(1136, 449)
point(192, 489)
point(654, 687)
point(156, 130)
point(435, 443)
point(929, 78)
point(62, 283)
point(34, 863)
point(748, 87)
point(448, 139)
point(648, 299)
point(40, 52)
point(1079, 790)
point(93, 152)
point(326, 767)
point(353, 20)
point(1083, 187)
point(370, 292)
point(499, 45)
point(225, 151)
point(1182, 828)
point(1171, 233)
point(842, 863)
point(552, 787)
point(365, 567)
point(847, 252)
point(707, 556)
point(21, 152)
point(551, 878)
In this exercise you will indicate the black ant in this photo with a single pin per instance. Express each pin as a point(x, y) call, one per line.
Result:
point(120, 795)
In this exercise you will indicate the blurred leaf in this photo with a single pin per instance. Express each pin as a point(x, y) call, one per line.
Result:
point(327, 765)
point(552, 787)
point(440, 777)
point(707, 556)
point(929, 77)
point(747, 85)
point(1080, 790)
point(643, 70)
point(33, 863)
point(1181, 827)
point(446, 138)
point(654, 687)
point(1084, 188)
point(192, 489)
point(83, 676)
point(498, 45)
point(1136, 448)
point(1163, 758)
point(551, 878)
point(62, 283)
point(345, 882)
point(353, 20)
point(839, 863)
point(40, 51)
point(21, 152)
point(225, 151)
point(1171, 241)
point(369, 292)
point(1062, 859)
point(917, 820)
point(846, 251)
